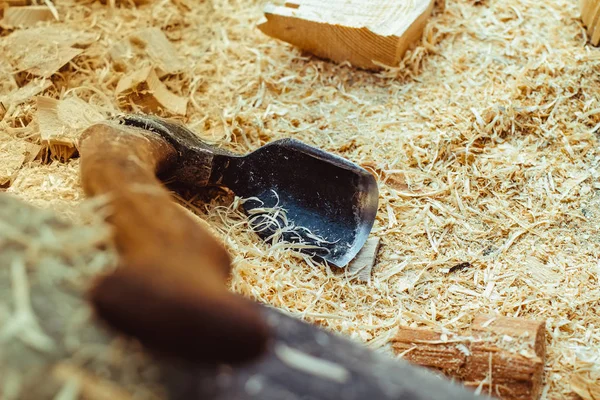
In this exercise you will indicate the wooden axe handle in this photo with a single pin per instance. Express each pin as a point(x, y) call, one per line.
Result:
point(169, 290)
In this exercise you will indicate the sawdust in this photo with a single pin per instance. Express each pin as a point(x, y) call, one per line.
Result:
point(49, 338)
point(488, 128)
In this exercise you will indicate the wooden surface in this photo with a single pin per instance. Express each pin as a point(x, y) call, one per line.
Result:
point(366, 33)
point(169, 291)
point(590, 15)
point(504, 356)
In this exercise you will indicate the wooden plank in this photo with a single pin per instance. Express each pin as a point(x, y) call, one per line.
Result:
point(366, 33)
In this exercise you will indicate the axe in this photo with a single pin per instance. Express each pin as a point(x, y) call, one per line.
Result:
point(169, 290)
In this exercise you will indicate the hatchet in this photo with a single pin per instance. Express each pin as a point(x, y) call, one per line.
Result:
point(169, 291)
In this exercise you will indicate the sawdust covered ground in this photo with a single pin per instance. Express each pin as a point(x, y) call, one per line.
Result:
point(484, 141)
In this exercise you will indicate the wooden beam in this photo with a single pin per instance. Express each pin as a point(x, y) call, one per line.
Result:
point(366, 33)
point(504, 356)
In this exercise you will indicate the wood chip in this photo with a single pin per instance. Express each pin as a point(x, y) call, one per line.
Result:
point(590, 14)
point(363, 263)
point(13, 154)
point(62, 121)
point(43, 51)
point(25, 93)
point(26, 16)
point(152, 44)
point(144, 88)
point(366, 33)
point(586, 382)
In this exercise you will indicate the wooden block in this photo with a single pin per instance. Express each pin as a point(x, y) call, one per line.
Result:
point(363, 263)
point(504, 356)
point(26, 16)
point(367, 33)
point(144, 88)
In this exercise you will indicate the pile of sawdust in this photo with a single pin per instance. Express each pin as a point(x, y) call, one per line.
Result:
point(484, 141)
point(52, 347)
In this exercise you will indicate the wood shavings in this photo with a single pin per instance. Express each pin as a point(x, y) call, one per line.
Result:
point(585, 381)
point(148, 43)
point(490, 120)
point(25, 93)
point(49, 264)
point(26, 16)
point(61, 121)
point(43, 51)
point(144, 88)
point(13, 154)
point(363, 263)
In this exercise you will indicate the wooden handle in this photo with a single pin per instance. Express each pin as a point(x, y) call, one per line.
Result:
point(169, 290)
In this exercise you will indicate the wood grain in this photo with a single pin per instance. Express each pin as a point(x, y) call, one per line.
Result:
point(365, 33)
point(504, 356)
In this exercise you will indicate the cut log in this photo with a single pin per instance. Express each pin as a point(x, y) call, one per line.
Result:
point(144, 88)
point(26, 16)
point(503, 356)
point(590, 15)
point(366, 33)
